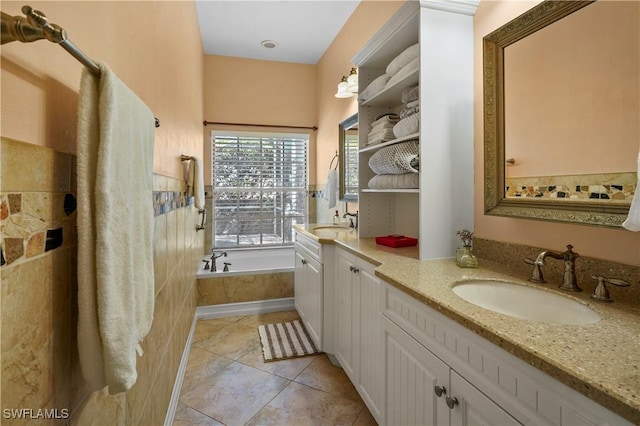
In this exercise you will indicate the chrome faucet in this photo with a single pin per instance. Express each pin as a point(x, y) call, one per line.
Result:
point(569, 280)
point(214, 256)
point(351, 224)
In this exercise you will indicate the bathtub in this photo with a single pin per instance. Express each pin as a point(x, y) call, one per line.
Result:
point(251, 262)
point(254, 275)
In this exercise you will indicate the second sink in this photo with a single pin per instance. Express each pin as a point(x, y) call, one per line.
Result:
point(525, 302)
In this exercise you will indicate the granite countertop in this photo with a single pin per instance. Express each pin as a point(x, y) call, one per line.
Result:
point(601, 360)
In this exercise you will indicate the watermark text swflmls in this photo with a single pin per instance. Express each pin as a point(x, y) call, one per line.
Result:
point(35, 413)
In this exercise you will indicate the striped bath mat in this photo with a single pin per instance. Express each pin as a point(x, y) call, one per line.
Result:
point(285, 340)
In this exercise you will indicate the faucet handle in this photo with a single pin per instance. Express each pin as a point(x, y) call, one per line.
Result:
point(536, 273)
point(601, 292)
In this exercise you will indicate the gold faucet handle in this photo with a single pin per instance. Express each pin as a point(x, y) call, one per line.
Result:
point(601, 292)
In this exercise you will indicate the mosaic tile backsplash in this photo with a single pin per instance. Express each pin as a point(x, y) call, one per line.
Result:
point(613, 187)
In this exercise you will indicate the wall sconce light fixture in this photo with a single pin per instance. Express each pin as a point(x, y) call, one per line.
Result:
point(348, 86)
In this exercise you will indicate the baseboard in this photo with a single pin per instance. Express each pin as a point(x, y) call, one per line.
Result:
point(245, 308)
point(177, 385)
point(219, 311)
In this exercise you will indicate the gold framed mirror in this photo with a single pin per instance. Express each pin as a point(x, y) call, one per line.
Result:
point(348, 153)
point(603, 202)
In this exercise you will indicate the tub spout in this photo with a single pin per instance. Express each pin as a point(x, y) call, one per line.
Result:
point(214, 256)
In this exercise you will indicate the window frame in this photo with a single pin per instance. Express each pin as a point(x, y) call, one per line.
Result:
point(276, 193)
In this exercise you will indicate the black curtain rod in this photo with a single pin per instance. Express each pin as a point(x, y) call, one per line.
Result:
point(314, 128)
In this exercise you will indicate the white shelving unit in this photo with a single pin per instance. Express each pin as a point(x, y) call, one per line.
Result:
point(444, 202)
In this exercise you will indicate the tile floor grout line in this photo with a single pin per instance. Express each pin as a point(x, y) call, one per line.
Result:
point(274, 397)
point(252, 322)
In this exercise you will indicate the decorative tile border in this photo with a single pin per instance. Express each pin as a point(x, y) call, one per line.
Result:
point(613, 187)
point(34, 223)
point(167, 201)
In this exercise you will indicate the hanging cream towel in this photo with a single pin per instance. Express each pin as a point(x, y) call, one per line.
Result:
point(115, 229)
point(633, 220)
point(332, 188)
point(195, 182)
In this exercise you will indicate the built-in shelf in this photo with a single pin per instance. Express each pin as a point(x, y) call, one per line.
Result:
point(393, 142)
point(392, 95)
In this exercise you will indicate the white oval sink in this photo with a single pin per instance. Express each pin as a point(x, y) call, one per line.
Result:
point(525, 302)
point(331, 227)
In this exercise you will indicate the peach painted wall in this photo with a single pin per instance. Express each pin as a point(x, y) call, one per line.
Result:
point(238, 90)
point(155, 48)
point(144, 43)
point(365, 21)
point(607, 244)
point(592, 126)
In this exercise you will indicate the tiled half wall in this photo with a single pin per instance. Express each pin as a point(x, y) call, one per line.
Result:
point(40, 367)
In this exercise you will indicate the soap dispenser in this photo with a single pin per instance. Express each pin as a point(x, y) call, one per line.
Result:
point(336, 218)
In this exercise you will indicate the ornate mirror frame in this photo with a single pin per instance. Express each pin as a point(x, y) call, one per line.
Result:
point(495, 202)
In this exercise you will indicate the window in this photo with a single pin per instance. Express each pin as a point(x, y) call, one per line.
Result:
point(259, 188)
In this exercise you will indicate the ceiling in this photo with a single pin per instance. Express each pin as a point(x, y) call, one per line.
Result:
point(302, 29)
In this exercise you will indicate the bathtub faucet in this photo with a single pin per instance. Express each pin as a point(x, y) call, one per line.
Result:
point(214, 256)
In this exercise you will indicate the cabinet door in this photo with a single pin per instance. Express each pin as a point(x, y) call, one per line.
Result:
point(371, 371)
point(412, 374)
point(313, 300)
point(299, 291)
point(347, 314)
point(475, 408)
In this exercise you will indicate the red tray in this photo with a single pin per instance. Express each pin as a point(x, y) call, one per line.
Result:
point(397, 241)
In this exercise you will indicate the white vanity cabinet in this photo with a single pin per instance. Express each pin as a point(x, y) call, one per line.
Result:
point(357, 326)
point(422, 390)
point(424, 349)
point(308, 285)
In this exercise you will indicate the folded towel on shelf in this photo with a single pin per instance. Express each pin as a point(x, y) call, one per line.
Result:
point(373, 88)
point(632, 223)
point(407, 70)
point(195, 182)
point(396, 159)
point(386, 118)
point(409, 54)
point(380, 137)
point(405, 181)
point(411, 94)
point(115, 229)
point(407, 111)
point(407, 126)
point(382, 126)
point(413, 104)
point(331, 190)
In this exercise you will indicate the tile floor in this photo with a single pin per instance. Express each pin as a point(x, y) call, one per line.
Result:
point(227, 382)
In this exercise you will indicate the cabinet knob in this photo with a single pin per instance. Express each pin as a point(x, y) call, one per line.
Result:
point(304, 262)
point(451, 401)
point(354, 269)
point(440, 390)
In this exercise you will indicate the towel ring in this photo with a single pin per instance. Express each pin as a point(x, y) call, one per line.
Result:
point(335, 157)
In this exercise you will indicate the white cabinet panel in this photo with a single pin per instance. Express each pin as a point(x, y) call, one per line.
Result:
point(412, 373)
point(348, 314)
point(474, 408)
point(358, 332)
point(308, 287)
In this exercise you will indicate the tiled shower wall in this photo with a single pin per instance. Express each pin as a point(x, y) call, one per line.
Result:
point(40, 368)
